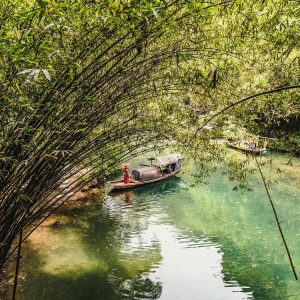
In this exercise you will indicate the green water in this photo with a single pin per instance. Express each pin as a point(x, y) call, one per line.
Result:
point(172, 240)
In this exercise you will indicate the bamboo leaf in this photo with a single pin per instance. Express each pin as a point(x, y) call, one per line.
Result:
point(155, 14)
point(46, 73)
point(35, 73)
point(25, 71)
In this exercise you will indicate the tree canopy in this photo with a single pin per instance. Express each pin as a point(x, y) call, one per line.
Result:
point(93, 83)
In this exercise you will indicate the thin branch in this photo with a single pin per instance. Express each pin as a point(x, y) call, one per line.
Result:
point(276, 90)
point(17, 264)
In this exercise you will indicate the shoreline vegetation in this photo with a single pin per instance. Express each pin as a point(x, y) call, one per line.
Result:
point(287, 144)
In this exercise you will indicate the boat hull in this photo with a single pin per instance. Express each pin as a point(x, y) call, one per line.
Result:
point(247, 150)
point(120, 185)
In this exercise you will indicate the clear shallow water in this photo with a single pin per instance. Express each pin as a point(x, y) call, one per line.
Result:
point(172, 241)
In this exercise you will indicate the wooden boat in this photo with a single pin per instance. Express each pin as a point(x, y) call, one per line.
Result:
point(250, 143)
point(246, 149)
point(167, 167)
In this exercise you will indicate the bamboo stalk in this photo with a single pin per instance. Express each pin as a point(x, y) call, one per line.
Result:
point(17, 265)
point(277, 220)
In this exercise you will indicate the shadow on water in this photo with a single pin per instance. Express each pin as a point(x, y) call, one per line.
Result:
point(87, 259)
point(91, 286)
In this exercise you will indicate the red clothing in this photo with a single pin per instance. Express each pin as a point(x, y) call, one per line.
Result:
point(126, 175)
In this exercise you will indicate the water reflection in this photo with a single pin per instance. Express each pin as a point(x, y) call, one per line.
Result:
point(128, 197)
point(86, 258)
point(168, 241)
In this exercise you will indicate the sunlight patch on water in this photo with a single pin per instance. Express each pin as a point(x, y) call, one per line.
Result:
point(186, 270)
point(63, 253)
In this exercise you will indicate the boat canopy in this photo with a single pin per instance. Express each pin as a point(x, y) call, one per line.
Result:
point(148, 173)
point(168, 159)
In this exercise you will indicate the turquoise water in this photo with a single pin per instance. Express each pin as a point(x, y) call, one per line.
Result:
point(172, 240)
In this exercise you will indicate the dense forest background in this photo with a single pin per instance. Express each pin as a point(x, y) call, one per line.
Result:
point(85, 85)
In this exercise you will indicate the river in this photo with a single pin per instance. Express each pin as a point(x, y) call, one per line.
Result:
point(172, 240)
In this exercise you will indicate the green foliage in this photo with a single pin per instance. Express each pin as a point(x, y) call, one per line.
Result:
point(93, 83)
point(286, 142)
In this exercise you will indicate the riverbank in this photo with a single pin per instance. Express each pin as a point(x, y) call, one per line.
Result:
point(286, 143)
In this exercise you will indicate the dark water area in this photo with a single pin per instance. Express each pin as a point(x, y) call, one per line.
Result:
point(172, 240)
